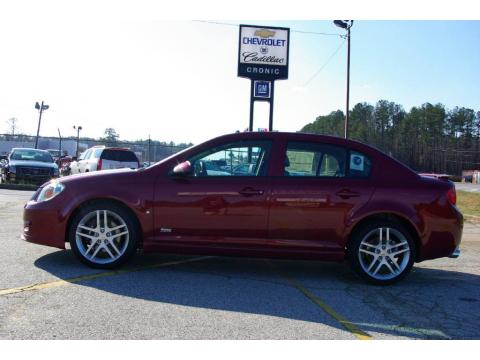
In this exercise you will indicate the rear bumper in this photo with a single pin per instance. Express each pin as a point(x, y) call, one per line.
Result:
point(443, 237)
point(455, 254)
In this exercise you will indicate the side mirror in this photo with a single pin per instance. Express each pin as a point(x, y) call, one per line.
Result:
point(184, 168)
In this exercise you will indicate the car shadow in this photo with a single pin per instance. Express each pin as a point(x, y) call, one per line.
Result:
point(428, 304)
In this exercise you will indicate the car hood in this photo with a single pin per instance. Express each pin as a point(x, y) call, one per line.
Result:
point(31, 163)
point(103, 175)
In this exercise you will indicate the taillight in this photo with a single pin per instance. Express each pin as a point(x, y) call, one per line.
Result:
point(452, 196)
point(99, 164)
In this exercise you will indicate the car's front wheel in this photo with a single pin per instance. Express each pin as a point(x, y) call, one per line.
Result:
point(103, 235)
point(382, 252)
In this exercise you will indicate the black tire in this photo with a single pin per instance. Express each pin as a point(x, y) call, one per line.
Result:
point(359, 258)
point(79, 243)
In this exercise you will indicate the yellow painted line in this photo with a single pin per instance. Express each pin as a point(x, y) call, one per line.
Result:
point(77, 279)
point(348, 325)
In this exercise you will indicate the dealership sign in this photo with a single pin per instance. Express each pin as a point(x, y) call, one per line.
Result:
point(261, 89)
point(263, 52)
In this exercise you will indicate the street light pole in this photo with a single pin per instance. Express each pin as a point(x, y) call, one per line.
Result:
point(40, 108)
point(78, 128)
point(346, 24)
point(347, 114)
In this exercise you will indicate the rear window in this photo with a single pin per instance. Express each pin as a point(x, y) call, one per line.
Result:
point(119, 155)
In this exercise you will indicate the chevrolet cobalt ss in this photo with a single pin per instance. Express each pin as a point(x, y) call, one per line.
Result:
point(298, 196)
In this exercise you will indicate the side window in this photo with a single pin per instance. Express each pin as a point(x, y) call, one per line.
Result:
point(237, 159)
point(330, 166)
point(87, 154)
point(314, 159)
point(97, 153)
point(360, 165)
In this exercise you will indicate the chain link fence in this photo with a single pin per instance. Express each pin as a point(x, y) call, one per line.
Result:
point(145, 150)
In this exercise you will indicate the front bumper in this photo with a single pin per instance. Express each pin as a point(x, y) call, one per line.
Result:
point(43, 225)
point(30, 179)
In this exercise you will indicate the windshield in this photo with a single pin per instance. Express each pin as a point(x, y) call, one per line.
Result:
point(32, 155)
point(54, 152)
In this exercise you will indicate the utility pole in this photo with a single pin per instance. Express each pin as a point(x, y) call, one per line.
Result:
point(346, 24)
point(59, 143)
point(78, 128)
point(40, 108)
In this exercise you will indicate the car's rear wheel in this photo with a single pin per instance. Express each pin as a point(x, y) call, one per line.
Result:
point(382, 252)
point(103, 235)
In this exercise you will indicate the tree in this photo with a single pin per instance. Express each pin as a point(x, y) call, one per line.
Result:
point(332, 124)
point(428, 138)
point(110, 137)
point(361, 122)
point(12, 124)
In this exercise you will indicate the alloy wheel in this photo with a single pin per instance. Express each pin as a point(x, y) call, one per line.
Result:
point(102, 236)
point(384, 253)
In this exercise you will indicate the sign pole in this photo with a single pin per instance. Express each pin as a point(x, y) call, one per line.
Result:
point(270, 118)
point(252, 104)
point(263, 57)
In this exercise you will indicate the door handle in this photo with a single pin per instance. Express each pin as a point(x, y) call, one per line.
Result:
point(346, 194)
point(250, 192)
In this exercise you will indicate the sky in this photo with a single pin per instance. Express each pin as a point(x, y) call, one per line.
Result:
point(177, 80)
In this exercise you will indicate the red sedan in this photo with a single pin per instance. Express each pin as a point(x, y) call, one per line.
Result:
point(297, 196)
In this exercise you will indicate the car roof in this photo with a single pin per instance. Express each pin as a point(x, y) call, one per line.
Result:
point(109, 148)
point(297, 136)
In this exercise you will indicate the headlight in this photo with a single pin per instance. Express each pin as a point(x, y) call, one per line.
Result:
point(50, 191)
point(55, 171)
point(12, 169)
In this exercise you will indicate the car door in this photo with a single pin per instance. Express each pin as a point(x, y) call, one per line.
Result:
point(322, 184)
point(213, 204)
point(83, 163)
point(75, 165)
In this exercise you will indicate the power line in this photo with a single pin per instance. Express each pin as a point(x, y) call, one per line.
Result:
point(325, 64)
point(295, 31)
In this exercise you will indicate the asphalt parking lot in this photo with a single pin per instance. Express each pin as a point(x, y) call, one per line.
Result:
point(46, 294)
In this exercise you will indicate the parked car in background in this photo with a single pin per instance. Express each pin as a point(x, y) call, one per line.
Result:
point(436, 176)
point(56, 153)
point(104, 158)
point(24, 165)
point(305, 197)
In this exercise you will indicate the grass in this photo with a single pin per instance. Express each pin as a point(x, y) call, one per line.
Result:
point(469, 205)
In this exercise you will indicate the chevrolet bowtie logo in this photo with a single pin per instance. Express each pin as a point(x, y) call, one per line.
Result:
point(264, 33)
